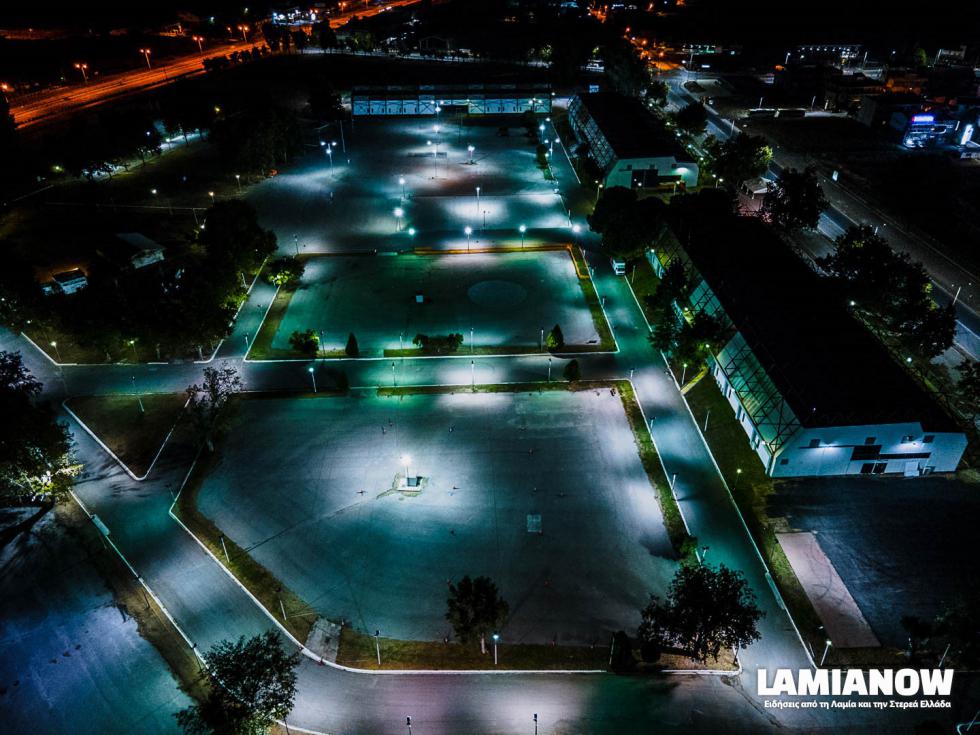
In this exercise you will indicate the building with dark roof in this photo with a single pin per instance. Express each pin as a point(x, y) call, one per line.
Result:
point(815, 393)
point(430, 99)
point(629, 144)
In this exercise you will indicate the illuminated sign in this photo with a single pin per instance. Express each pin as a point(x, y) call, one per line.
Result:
point(922, 118)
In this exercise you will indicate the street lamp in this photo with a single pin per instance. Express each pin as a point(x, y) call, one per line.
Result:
point(738, 475)
point(496, 638)
point(598, 191)
point(83, 68)
point(146, 55)
point(312, 377)
point(139, 398)
point(377, 644)
point(238, 180)
point(469, 231)
point(406, 460)
point(523, 229)
point(244, 30)
point(132, 343)
point(211, 194)
point(683, 373)
point(478, 200)
point(825, 649)
point(401, 181)
point(399, 213)
point(411, 231)
point(200, 40)
point(470, 150)
point(56, 350)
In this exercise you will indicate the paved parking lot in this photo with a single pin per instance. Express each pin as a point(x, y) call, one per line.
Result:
point(902, 546)
point(350, 206)
point(304, 483)
point(505, 299)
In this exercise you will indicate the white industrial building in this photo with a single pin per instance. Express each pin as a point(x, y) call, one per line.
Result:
point(472, 99)
point(815, 393)
point(629, 144)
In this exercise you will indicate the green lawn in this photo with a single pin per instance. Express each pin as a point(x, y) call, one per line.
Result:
point(644, 283)
point(134, 436)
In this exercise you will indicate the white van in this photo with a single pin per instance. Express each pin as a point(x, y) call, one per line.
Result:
point(618, 266)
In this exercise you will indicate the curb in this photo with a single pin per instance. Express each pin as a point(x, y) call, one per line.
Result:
point(64, 405)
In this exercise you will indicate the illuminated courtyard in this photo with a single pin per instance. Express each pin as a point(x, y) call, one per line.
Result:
point(311, 487)
point(499, 300)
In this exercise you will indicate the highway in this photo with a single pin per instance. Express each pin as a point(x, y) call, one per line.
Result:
point(44, 107)
point(848, 208)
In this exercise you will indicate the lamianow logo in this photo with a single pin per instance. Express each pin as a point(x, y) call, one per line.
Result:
point(856, 682)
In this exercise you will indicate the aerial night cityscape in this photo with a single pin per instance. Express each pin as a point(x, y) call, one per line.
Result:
point(505, 367)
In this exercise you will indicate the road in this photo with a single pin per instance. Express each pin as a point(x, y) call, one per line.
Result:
point(848, 208)
point(33, 110)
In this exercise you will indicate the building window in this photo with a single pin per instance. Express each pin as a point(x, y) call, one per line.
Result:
point(928, 438)
point(814, 443)
point(870, 439)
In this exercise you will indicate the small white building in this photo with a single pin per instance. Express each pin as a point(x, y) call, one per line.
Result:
point(141, 251)
point(814, 391)
point(629, 144)
point(69, 282)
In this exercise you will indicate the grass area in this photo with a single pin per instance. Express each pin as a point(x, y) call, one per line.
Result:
point(273, 594)
point(133, 435)
point(746, 476)
point(644, 283)
point(358, 650)
point(152, 623)
point(606, 341)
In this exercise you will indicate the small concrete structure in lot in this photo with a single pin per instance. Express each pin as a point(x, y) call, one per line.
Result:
point(630, 145)
point(814, 391)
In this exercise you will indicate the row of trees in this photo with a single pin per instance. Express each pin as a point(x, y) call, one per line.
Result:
point(892, 292)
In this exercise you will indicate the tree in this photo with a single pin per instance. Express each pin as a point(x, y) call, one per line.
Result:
point(252, 684)
point(739, 158)
point(233, 241)
point(285, 269)
point(956, 626)
point(968, 388)
point(626, 71)
point(652, 634)
point(208, 402)
point(615, 202)
point(692, 118)
point(324, 35)
point(705, 611)
point(438, 344)
point(306, 342)
point(657, 92)
point(475, 608)
point(35, 447)
point(622, 652)
point(572, 371)
point(351, 349)
point(795, 201)
point(699, 337)
point(627, 224)
point(665, 332)
point(256, 140)
point(324, 101)
point(554, 340)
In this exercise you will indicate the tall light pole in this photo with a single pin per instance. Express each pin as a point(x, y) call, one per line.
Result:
point(211, 194)
point(401, 181)
point(523, 229)
point(738, 476)
point(598, 191)
point(406, 460)
point(83, 68)
point(200, 40)
point(470, 150)
point(469, 231)
point(825, 649)
point(435, 153)
point(244, 30)
point(683, 374)
point(399, 213)
point(377, 644)
point(56, 350)
point(478, 200)
point(496, 638)
point(238, 180)
point(146, 55)
point(132, 343)
point(312, 377)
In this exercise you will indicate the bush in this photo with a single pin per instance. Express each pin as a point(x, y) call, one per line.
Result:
point(622, 653)
point(306, 342)
point(555, 339)
point(352, 350)
point(438, 344)
point(572, 371)
point(282, 270)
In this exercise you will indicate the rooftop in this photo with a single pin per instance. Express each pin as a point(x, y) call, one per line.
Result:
point(825, 364)
point(630, 129)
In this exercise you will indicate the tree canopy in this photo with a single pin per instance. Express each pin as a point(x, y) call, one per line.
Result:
point(795, 201)
point(692, 118)
point(705, 611)
point(475, 609)
point(252, 684)
point(208, 401)
point(628, 225)
point(34, 445)
point(739, 158)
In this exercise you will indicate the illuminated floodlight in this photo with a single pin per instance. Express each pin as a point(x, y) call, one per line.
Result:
point(399, 212)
